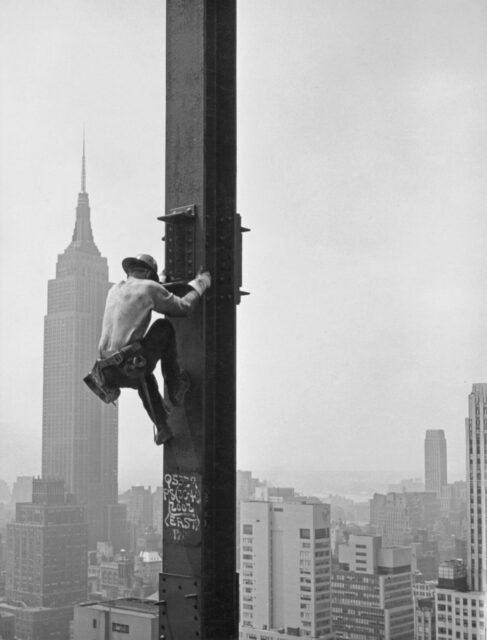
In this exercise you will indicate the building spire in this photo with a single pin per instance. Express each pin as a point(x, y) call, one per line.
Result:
point(83, 167)
point(83, 235)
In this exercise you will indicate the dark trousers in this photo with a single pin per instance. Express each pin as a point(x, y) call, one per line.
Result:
point(158, 344)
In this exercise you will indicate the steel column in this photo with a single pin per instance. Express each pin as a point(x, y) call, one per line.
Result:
point(198, 588)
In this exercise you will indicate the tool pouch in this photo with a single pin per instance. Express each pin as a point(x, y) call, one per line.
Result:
point(95, 380)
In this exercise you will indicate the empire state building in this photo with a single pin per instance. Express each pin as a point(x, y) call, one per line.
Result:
point(79, 433)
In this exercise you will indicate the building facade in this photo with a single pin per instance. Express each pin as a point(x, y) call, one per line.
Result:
point(372, 591)
point(460, 612)
point(398, 517)
point(461, 599)
point(424, 619)
point(435, 462)
point(476, 443)
point(46, 562)
point(47, 549)
point(79, 432)
point(128, 618)
point(285, 575)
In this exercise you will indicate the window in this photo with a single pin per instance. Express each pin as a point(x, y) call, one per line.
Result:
point(94, 623)
point(247, 529)
point(121, 628)
point(322, 533)
point(305, 533)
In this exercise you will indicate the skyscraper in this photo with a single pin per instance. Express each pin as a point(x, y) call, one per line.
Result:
point(435, 469)
point(476, 440)
point(461, 604)
point(285, 570)
point(79, 433)
point(46, 562)
point(46, 549)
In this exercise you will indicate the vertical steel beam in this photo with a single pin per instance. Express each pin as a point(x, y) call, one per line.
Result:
point(198, 588)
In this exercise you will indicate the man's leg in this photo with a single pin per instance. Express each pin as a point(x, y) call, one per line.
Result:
point(154, 405)
point(160, 344)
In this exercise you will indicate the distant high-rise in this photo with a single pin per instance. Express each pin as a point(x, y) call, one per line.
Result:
point(476, 441)
point(285, 570)
point(47, 549)
point(461, 603)
point(79, 433)
point(46, 562)
point(397, 517)
point(435, 466)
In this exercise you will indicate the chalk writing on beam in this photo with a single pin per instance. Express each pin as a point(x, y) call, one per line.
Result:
point(182, 504)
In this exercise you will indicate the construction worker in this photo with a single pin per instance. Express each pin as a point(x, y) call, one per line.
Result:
point(129, 352)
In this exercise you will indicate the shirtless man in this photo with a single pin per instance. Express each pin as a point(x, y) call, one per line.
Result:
point(127, 316)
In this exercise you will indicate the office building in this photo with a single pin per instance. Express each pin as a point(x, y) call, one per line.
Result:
point(372, 591)
point(47, 549)
point(435, 464)
point(285, 564)
point(424, 619)
point(460, 612)
point(46, 562)
point(397, 517)
point(461, 599)
point(476, 441)
point(79, 432)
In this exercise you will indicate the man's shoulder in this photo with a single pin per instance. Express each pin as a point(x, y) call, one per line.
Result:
point(149, 287)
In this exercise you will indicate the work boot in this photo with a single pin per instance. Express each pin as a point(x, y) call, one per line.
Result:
point(177, 387)
point(162, 433)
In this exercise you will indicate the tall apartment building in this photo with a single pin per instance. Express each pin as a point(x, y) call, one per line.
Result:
point(46, 561)
point(372, 591)
point(435, 463)
point(397, 517)
point(285, 575)
point(79, 433)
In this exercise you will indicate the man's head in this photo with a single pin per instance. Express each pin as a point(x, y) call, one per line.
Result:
point(143, 265)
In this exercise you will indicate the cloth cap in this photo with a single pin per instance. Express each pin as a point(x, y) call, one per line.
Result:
point(141, 261)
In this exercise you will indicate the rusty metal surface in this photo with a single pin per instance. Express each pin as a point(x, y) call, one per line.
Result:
point(201, 169)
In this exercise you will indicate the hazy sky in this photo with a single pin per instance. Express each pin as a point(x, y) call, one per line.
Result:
point(361, 170)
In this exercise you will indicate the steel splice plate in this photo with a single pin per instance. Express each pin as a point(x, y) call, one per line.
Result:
point(180, 615)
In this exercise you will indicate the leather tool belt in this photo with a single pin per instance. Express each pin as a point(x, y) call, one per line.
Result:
point(131, 362)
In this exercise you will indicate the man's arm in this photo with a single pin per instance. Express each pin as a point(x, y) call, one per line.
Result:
point(171, 305)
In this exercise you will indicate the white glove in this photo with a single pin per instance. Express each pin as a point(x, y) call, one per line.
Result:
point(202, 282)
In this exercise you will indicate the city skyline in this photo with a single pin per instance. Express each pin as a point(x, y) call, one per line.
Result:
point(374, 118)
